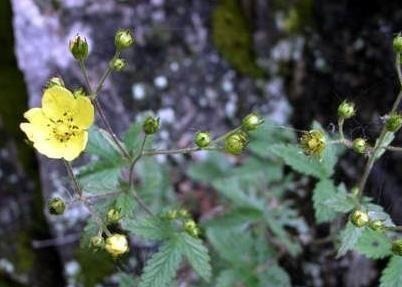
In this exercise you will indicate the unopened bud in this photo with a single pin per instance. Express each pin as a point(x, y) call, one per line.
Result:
point(113, 216)
point(359, 218)
point(118, 64)
point(79, 47)
point(116, 245)
point(346, 110)
point(123, 39)
point(56, 206)
point(393, 122)
point(150, 125)
point(252, 121)
point(191, 228)
point(376, 225)
point(55, 81)
point(236, 143)
point(359, 145)
point(203, 139)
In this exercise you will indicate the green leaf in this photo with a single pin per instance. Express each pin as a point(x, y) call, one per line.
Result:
point(125, 202)
point(197, 255)
point(100, 144)
point(293, 156)
point(238, 216)
point(392, 275)
point(374, 244)
point(274, 276)
point(349, 237)
point(126, 280)
point(227, 278)
point(133, 136)
point(161, 269)
point(148, 228)
point(341, 201)
point(214, 167)
point(323, 192)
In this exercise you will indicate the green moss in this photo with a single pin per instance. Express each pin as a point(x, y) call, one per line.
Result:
point(232, 37)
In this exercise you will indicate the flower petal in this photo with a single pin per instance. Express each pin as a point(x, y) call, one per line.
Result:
point(56, 101)
point(83, 112)
point(75, 146)
point(50, 147)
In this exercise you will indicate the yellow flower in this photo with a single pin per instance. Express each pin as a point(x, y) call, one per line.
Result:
point(58, 129)
point(313, 143)
point(116, 244)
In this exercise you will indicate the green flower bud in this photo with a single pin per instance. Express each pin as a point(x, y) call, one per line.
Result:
point(313, 143)
point(171, 214)
point(203, 139)
point(79, 48)
point(123, 39)
point(376, 225)
point(116, 244)
point(113, 216)
point(397, 247)
point(150, 125)
point(252, 121)
point(236, 143)
point(359, 218)
point(393, 122)
point(118, 64)
point(55, 81)
point(346, 110)
point(359, 145)
point(79, 93)
point(397, 44)
point(183, 213)
point(97, 242)
point(56, 206)
point(191, 228)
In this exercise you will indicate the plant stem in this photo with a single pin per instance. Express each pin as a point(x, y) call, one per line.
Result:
point(86, 78)
point(394, 148)
point(78, 190)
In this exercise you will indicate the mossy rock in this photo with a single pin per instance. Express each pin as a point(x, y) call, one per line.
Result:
point(232, 37)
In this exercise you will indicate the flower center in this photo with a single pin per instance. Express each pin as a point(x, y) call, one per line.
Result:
point(64, 128)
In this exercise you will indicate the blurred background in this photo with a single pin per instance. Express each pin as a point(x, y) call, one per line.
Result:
point(199, 65)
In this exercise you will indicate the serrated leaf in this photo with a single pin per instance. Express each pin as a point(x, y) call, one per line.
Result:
point(148, 228)
point(126, 280)
point(197, 255)
point(161, 269)
point(392, 275)
point(125, 202)
point(322, 193)
point(214, 167)
point(341, 201)
point(133, 136)
point(227, 278)
point(293, 156)
point(274, 276)
point(100, 144)
point(348, 237)
point(374, 244)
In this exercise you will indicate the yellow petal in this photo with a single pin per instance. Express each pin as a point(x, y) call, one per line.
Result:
point(50, 147)
point(56, 101)
point(75, 146)
point(83, 112)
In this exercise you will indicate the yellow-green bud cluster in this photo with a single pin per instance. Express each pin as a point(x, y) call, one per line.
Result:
point(56, 206)
point(376, 225)
point(397, 247)
point(313, 142)
point(359, 145)
point(117, 64)
point(252, 121)
point(116, 244)
point(397, 44)
point(184, 220)
point(236, 142)
point(203, 139)
point(346, 110)
point(55, 81)
point(191, 228)
point(176, 214)
point(123, 39)
point(79, 48)
point(359, 218)
point(393, 122)
point(150, 125)
point(113, 216)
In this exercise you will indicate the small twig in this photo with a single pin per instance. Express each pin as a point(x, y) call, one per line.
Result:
point(393, 148)
point(66, 239)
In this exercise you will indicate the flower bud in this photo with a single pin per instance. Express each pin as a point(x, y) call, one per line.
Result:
point(393, 122)
point(116, 244)
point(397, 44)
point(56, 206)
point(203, 139)
point(97, 242)
point(117, 64)
point(313, 142)
point(55, 81)
point(113, 216)
point(150, 125)
point(236, 143)
point(191, 228)
point(397, 247)
point(359, 218)
point(359, 145)
point(79, 48)
point(252, 121)
point(346, 110)
point(376, 225)
point(123, 39)
point(183, 213)
point(171, 214)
